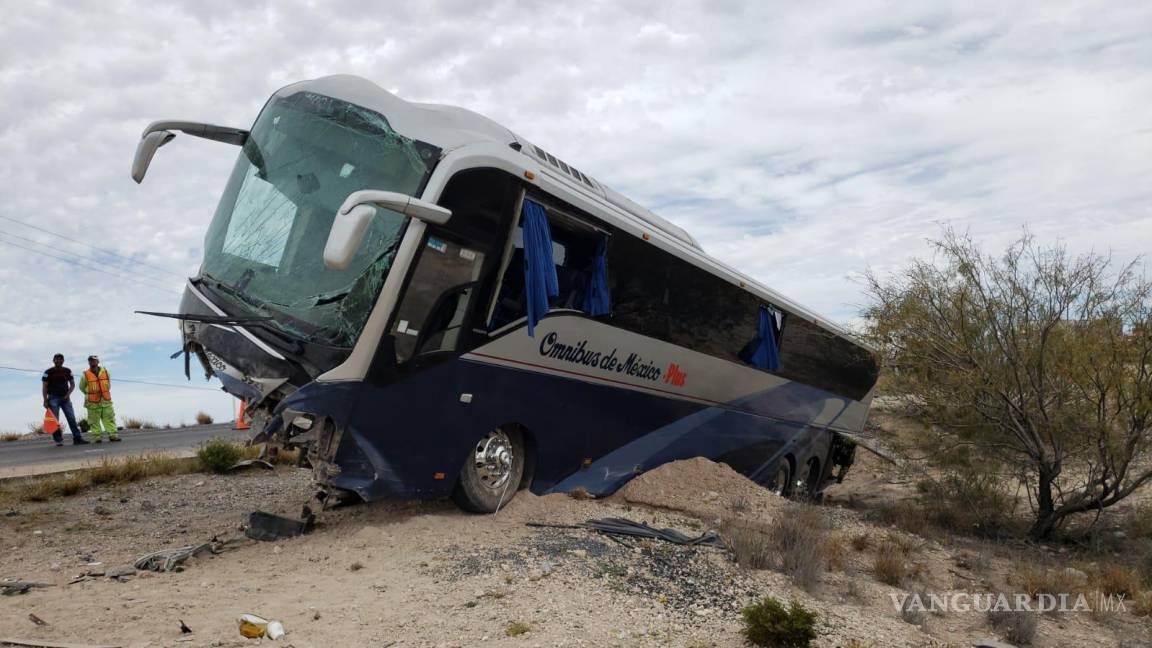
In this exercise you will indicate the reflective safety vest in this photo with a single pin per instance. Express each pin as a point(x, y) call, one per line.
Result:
point(98, 388)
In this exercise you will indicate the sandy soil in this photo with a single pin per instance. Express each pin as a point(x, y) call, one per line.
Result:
point(425, 574)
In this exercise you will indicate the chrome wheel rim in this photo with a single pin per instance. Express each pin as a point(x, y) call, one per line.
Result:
point(493, 460)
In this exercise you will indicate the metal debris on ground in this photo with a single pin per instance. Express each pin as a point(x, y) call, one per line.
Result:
point(184, 629)
point(14, 587)
point(37, 620)
point(267, 527)
point(248, 463)
point(173, 559)
point(626, 527)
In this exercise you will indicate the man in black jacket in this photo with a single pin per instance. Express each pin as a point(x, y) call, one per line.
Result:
point(57, 390)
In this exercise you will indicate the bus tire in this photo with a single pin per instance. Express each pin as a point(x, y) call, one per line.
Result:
point(781, 483)
point(492, 471)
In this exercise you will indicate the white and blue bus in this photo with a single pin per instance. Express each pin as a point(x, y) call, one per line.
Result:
point(433, 306)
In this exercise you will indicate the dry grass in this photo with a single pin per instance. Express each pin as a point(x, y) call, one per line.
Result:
point(890, 568)
point(969, 502)
point(1118, 579)
point(516, 628)
point(1037, 579)
point(108, 471)
point(11, 436)
point(203, 418)
point(1017, 626)
point(36, 428)
point(794, 543)
point(138, 424)
point(906, 515)
point(861, 542)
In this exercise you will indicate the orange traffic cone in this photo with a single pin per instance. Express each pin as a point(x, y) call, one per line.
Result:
point(241, 424)
point(51, 425)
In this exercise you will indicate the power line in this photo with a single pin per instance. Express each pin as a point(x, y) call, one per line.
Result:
point(88, 267)
point(98, 249)
point(139, 382)
point(76, 256)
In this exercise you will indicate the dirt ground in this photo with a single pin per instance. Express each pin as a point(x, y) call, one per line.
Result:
point(425, 574)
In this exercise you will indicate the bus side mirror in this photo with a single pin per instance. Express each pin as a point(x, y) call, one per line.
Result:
point(146, 149)
point(346, 235)
point(159, 133)
point(356, 214)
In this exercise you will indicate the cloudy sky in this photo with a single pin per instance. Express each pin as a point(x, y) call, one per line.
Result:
point(800, 142)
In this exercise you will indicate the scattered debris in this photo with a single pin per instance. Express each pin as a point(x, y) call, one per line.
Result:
point(14, 587)
point(626, 527)
point(252, 626)
point(184, 629)
point(268, 527)
point(173, 559)
point(275, 630)
point(170, 559)
point(37, 620)
point(248, 463)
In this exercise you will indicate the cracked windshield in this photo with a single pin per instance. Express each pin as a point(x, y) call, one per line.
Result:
point(265, 246)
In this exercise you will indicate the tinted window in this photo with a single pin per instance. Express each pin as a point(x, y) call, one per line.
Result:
point(659, 295)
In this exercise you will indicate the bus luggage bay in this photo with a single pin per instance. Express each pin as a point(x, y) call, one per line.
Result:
point(431, 305)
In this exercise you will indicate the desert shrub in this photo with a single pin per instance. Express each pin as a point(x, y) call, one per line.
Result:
point(861, 541)
point(794, 543)
point(890, 568)
point(203, 418)
point(36, 428)
point(768, 623)
point(1038, 579)
point(906, 515)
point(968, 501)
point(219, 455)
point(1017, 626)
point(137, 424)
point(11, 436)
point(516, 628)
point(1118, 579)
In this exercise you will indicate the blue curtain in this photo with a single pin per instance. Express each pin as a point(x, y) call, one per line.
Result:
point(767, 355)
point(596, 298)
point(540, 280)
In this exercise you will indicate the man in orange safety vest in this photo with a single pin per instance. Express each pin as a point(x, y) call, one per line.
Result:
point(97, 389)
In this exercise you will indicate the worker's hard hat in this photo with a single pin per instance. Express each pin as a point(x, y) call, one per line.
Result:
point(93, 357)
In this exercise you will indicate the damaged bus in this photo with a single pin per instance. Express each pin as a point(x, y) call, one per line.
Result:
point(429, 305)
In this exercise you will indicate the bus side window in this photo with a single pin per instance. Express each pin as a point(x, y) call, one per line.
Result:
point(438, 298)
point(573, 251)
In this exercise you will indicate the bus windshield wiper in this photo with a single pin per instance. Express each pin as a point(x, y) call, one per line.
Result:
point(209, 319)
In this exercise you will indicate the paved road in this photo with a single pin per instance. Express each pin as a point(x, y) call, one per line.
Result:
point(40, 455)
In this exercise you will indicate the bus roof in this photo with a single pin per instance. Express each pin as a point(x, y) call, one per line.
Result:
point(452, 127)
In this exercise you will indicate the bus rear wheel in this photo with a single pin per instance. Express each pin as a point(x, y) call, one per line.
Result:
point(492, 472)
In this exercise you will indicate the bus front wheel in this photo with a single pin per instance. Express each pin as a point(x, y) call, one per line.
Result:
point(492, 472)
point(781, 483)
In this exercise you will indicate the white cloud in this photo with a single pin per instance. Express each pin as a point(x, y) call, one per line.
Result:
point(802, 143)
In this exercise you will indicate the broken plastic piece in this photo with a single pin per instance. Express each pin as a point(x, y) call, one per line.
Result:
point(268, 527)
point(252, 626)
point(275, 630)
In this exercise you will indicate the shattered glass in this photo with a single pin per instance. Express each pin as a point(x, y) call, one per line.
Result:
point(305, 155)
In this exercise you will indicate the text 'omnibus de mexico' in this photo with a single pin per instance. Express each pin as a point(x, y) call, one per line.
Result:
point(431, 305)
